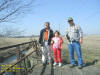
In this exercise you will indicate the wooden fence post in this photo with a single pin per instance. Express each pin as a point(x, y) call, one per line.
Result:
point(18, 55)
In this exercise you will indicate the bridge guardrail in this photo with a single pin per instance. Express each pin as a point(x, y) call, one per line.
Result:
point(22, 60)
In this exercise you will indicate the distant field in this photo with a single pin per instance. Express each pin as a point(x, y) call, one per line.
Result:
point(11, 41)
point(90, 48)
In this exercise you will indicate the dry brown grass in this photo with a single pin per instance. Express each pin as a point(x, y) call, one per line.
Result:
point(12, 41)
point(90, 50)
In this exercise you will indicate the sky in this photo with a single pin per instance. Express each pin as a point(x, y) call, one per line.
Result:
point(86, 13)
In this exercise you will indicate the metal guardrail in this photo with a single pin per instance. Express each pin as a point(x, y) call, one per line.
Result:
point(4, 48)
point(22, 59)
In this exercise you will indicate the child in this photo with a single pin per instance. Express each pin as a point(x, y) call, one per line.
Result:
point(56, 43)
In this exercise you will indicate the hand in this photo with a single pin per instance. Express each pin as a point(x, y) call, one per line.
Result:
point(52, 42)
point(81, 40)
point(40, 45)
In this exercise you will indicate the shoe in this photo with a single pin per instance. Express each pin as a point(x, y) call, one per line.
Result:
point(80, 67)
point(83, 65)
point(60, 64)
point(55, 64)
point(49, 63)
point(44, 64)
point(72, 65)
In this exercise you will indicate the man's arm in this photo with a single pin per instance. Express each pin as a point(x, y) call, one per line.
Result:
point(40, 38)
point(66, 34)
point(81, 35)
point(52, 34)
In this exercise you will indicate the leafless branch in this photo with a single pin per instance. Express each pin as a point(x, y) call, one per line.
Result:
point(12, 9)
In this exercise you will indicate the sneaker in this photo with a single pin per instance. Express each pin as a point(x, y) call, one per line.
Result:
point(80, 67)
point(60, 64)
point(49, 63)
point(72, 65)
point(55, 64)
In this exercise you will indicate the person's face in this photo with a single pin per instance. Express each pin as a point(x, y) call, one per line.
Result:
point(70, 22)
point(56, 35)
point(46, 25)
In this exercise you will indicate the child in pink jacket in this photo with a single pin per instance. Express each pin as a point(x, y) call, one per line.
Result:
point(56, 44)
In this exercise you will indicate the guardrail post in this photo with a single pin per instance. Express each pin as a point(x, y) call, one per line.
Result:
point(30, 44)
point(18, 55)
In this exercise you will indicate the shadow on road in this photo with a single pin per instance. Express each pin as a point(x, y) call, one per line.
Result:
point(91, 63)
point(43, 69)
point(52, 70)
point(85, 65)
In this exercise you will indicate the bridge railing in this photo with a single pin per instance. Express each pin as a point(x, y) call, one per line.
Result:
point(23, 64)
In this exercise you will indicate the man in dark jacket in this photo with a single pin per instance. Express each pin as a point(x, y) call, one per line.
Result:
point(46, 35)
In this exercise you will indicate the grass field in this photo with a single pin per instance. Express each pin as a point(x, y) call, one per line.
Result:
point(12, 41)
point(90, 50)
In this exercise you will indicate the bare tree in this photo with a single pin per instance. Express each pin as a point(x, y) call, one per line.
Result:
point(10, 10)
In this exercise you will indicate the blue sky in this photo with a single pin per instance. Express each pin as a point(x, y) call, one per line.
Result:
point(86, 13)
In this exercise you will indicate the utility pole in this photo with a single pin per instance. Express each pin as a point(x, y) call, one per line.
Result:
point(59, 27)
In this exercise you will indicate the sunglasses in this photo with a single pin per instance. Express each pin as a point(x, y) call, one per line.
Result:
point(70, 21)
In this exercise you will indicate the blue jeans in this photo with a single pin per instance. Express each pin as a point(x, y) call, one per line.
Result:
point(75, 46)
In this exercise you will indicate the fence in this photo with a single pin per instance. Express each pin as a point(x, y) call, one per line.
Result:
point(23, 64)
